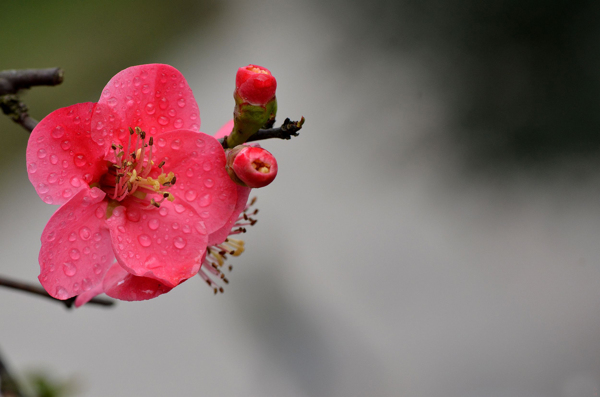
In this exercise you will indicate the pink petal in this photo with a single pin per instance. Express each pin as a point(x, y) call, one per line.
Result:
point(198, 162)
point(76, 249)
point(154, 97)
point(163, 243)
point(224, 130)
point(120, 284)
point(61, 157)
point(218, 236)
point(87, 296)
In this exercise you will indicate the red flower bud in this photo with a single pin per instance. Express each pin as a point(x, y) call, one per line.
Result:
point(254, 166)
point(255, 85)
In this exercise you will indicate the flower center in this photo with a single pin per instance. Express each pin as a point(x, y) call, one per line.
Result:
point(129, 175)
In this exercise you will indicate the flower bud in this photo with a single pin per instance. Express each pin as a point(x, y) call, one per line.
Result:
point(251, 166)
point(255, 85)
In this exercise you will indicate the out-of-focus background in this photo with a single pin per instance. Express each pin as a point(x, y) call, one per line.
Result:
point(432, 232)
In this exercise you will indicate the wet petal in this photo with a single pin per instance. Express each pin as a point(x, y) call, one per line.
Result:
point(163, 243)
point(120, 284)
point(198, 162)
point(218, 236)
point(76, 248)
point(61, 157)
point(154, 97)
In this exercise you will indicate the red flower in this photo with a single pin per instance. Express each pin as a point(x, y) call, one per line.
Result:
point(136, 181)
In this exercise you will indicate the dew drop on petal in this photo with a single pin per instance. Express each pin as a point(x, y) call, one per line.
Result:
point(190, 195)
point(121, 229)
point(72, 237)
point(86, 284)
point(181, 102)
point(145, 88)
point(58, 132)
point(163, 103)
point(179, 208)
point(178, 123)
point(80, 160)
point(172, 113)
point(200, 142)
point(32, 168)
point(175, 225)
point(86, 250)
point(51, 236)
point(43, 188)
point(199, 226)
point(74, 254)
point(112, 102)
point(42, 153)
point(163, 211)
point(209, 183)
point(67, 193)
point(69, 269)
point(179, 242)
point(133, 214)
point(52, 177)
point(61, 293)
point(153, 223)
point(100, 213)
point(162, 120)
point(189, 172)
point(75, 182)
point(207, 166)
point(187, 229)
point(161, 142)
point(150, 109)
point(205, 200)
point(65, 164)
point(85, 233)
point(176, 144)
point(97, 237)
point(65, 145)
point(48, 200)
point(97, 268)
point(53, 159)
point(205, 214)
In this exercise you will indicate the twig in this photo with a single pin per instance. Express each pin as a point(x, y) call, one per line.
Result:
point(37, 290)
point(12, 81)
point(287, 130)
point(9, 387)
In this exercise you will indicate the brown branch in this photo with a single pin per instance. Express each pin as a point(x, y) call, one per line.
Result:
point(37, 290)
point(287, 130)
point(12, 81)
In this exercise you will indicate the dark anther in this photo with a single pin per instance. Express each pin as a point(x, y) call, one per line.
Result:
point(151, 142)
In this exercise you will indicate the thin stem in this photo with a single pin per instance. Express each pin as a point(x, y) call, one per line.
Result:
point(287, 130)
point(37, 290)
point(9, 387)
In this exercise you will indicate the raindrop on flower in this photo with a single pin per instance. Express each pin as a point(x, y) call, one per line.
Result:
point(179, 242)
point(69, 269)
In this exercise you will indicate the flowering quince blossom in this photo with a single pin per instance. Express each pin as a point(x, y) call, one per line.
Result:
point(137, 182)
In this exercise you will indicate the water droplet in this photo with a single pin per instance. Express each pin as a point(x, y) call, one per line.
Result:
point(65, 145)
point(130, 101)
point(77, 120)
point(58, 132)
point(176, 144)
point(65, 164)
point(193, 116)
point(97, 268)
point(67, 193)
point(163, 103)
point(179, 242)
point(72, 237)
point(100, 213)
point(199, 226)
point(133, 214)
point(200, 142)
point(69, 269)
point(175, 225)
point(42, 153)
point(61, 293)
point(51, 236)
point(150, 109)
point(112, 102)
point(172, 113)
point(121, 229)
point(179, 208)
point(85, 233)
point(86, 284)
point(86, 250)
point(97, 237)
point(181, 102)
point(74, 254)
point(190, 195)
point(145, 88)
point(162, 120)
point(42, 188)
point(209, 183)
point(207, 166)
point(32, 168)
point(153, 224)
point(205, 200)
point(152, 262)
point(161, 142)
point(80, 160)
point(205, 214)
point(187, 229)
point(52, 177)
point(75, 182)
point(48, 200)
point(137, 81)
point(53, 159)
point(178, 123)
point(163, 211)
point(189, 172)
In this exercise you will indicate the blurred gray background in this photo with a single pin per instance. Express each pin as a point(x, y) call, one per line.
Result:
point(432, 232)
